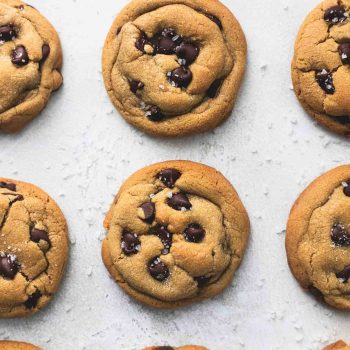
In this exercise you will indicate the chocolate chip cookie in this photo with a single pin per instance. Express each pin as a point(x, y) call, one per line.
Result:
point(186, 347)
point(318, 238)
point(177, 232)
point(321, 65)
point(174, 67)
point(30, 64)
point(339, 345)
point(33, 248)
point(14, 345)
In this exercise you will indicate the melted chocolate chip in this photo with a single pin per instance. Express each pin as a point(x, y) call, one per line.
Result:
point(45, 52)
point(37, 235)
point(8, 266)
point(9, 186)
point(335, 14)
point(215, 20)
point(179, 201)
point(188, 53)
point(202, 281)
point(136, 85)
point(20, 56)
point(316, 292)
point(21, 7)
point(166, 41)
point(344, 52)
point(158, 270)
point(194, 233)
point(180, 77)
point(165, 236)
point(154, 113)
point(341, 120)
point(346, 188)
point(130, 243)
point(325, 81)
point(344, 275)
point(164, 348)
point(340, 236)
point(7, 33)
point(148, 209)
point(214, 88)
point(169, 177)
point(33, 299)
point(141, 42)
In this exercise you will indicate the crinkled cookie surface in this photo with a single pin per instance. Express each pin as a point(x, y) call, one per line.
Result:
point(177, 232)
point(33, 248)
point(318, 238)
point(321, 65)
point(30, 63)
point(174, 67)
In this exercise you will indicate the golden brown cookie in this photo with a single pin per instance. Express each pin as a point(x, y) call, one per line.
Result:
point(33, 248)
point(177, 232)
point(321, 65)
point(339, 345)
point(14, 345)
point(318, 238)
point(186, 347)
point(174, 67)
point(30, 64)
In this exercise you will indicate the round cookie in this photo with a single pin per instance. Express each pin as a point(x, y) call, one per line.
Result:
point(174, 68)
point(33, 248)
point(186, 347)
point(339, 345)
point(177, 232)
point(321, 65)
point(318, 238)
point(30, 64)
point(14, 345)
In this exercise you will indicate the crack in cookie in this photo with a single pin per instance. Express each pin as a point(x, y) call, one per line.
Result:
point(168, 76)
point(177, 232)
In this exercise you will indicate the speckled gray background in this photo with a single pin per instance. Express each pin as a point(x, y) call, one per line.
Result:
point(79, 150)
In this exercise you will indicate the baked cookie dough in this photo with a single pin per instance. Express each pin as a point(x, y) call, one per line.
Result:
point(186, 347)
point(174, 67)
point(14, 345)
point(33, 248)
point(30, 64)
point(177, 232)
point(339, 345)
point(321, 65)
point(318, 238)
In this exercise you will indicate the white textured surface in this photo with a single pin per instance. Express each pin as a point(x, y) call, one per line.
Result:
point(79, 151)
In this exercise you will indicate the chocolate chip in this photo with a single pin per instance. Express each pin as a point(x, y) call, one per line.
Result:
point(344, 51)
point(215, 20)
point(33, 299)
point(166, 41)
point(9, 186)
point(336, 14)
point(136, 85)
point(20, 56)
point(340, 235)
point(169, 177)
point(148, 209)
point(45, 52)
point(37, 235)
point(165, 236)
point(341, 120)
point(164, 348)
point(325, 81)
point(188, 53)
point(213, 89)
point(316, 292)
point(7, 33)
point(194, 233)
point(346, 188)
point(179, 201)
point(158, 269)
point(154, 113)
point(180, 77)
point(344, 275)
point(141, 42)
point(202, 281)
point(130, 243)
point(8, 266)
point(21, 7)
